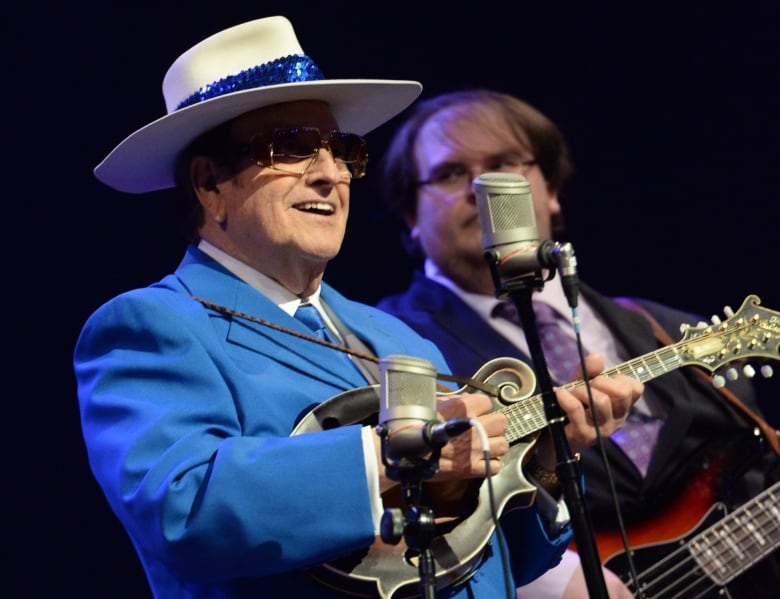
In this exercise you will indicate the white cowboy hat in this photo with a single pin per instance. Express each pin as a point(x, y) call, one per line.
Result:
point(237, 70)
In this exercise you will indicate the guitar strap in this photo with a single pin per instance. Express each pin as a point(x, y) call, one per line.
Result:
point(770, 434)
point(368, 363)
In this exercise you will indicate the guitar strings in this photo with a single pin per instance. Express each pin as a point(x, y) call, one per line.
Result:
point(757, 532)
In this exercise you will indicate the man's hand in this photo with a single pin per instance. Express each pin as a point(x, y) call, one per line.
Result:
point(462, 458)
point(613, 397)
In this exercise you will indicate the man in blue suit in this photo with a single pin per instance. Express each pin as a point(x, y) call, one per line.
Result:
point(201, 395)
point(684, 424)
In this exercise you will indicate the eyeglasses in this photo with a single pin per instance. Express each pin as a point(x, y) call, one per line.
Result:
point(454, 177)
point(294, 150)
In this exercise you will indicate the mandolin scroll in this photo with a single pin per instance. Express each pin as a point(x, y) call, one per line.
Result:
point(508, 379)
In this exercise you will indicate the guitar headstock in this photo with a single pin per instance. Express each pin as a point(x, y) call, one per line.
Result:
point(752, 332)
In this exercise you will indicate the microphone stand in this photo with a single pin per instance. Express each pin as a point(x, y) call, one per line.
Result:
point(519, 289)
point(417, 524)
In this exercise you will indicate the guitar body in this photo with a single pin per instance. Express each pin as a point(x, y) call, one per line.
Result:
point(679, 517)
point(384, 570)
point(704, 559)
point(666, 570)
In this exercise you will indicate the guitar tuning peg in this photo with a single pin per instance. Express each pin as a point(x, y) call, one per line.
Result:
point(749, 371)
point(732, 374)
point(716, 319)
point(718, 381)
point(728, 311)
point(702, 325)
point(767, 371)
point(684, 327)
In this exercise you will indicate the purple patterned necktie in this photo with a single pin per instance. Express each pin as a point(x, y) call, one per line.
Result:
point(560, 350)
point(638, 435)
point(637, 438)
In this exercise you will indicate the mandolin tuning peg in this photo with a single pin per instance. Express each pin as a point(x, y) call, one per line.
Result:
point(749, 371)
point(718, 381)
point(715, 319)
point(732, 374)
point(728, 311)
point(767, 371)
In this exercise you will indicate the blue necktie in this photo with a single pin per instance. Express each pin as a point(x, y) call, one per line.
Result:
point(309, 315)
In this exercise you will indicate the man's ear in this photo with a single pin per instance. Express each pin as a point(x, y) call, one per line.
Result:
point(553, 203)
point(204, 182)
point(202, 174)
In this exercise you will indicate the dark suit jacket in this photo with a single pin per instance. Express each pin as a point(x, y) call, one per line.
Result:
point(701, 425)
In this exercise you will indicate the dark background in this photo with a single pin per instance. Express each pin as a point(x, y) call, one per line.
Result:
point(671, 114)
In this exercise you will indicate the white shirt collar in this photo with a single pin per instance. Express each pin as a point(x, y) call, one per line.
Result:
point(277, 293)
point(551, 293)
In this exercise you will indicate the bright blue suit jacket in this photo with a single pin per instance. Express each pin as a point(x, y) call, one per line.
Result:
point(187, 415)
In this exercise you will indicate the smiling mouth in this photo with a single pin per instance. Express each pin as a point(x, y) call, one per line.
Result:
point(316, 208)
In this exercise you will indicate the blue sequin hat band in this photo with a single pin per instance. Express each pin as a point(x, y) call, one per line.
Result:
point(235, 71)
point(290, 69)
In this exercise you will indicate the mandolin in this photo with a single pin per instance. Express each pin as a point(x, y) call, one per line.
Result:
point(385, 571)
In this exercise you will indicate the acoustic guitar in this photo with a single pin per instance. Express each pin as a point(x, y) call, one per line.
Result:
point(383, 570)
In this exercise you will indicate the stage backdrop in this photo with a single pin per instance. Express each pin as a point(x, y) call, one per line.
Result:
point(671, 114)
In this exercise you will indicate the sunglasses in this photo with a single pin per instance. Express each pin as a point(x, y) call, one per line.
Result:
point(294, 150)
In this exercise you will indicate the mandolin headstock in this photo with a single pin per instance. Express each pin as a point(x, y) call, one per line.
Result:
point(751, 332)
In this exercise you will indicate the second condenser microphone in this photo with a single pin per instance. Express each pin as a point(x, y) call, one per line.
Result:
point(509, 233)
point(407, 404)
point(510, 237)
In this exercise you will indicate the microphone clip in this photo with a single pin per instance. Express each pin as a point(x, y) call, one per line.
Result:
point(506, 287)
point(411, 466)
point(549, 256)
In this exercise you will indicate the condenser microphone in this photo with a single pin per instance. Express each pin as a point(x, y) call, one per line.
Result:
point(510, 235)
point(407, 411)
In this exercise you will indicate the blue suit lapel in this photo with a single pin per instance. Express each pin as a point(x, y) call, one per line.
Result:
point(206, 279)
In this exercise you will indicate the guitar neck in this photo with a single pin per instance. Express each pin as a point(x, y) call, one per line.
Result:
point(741, 539)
